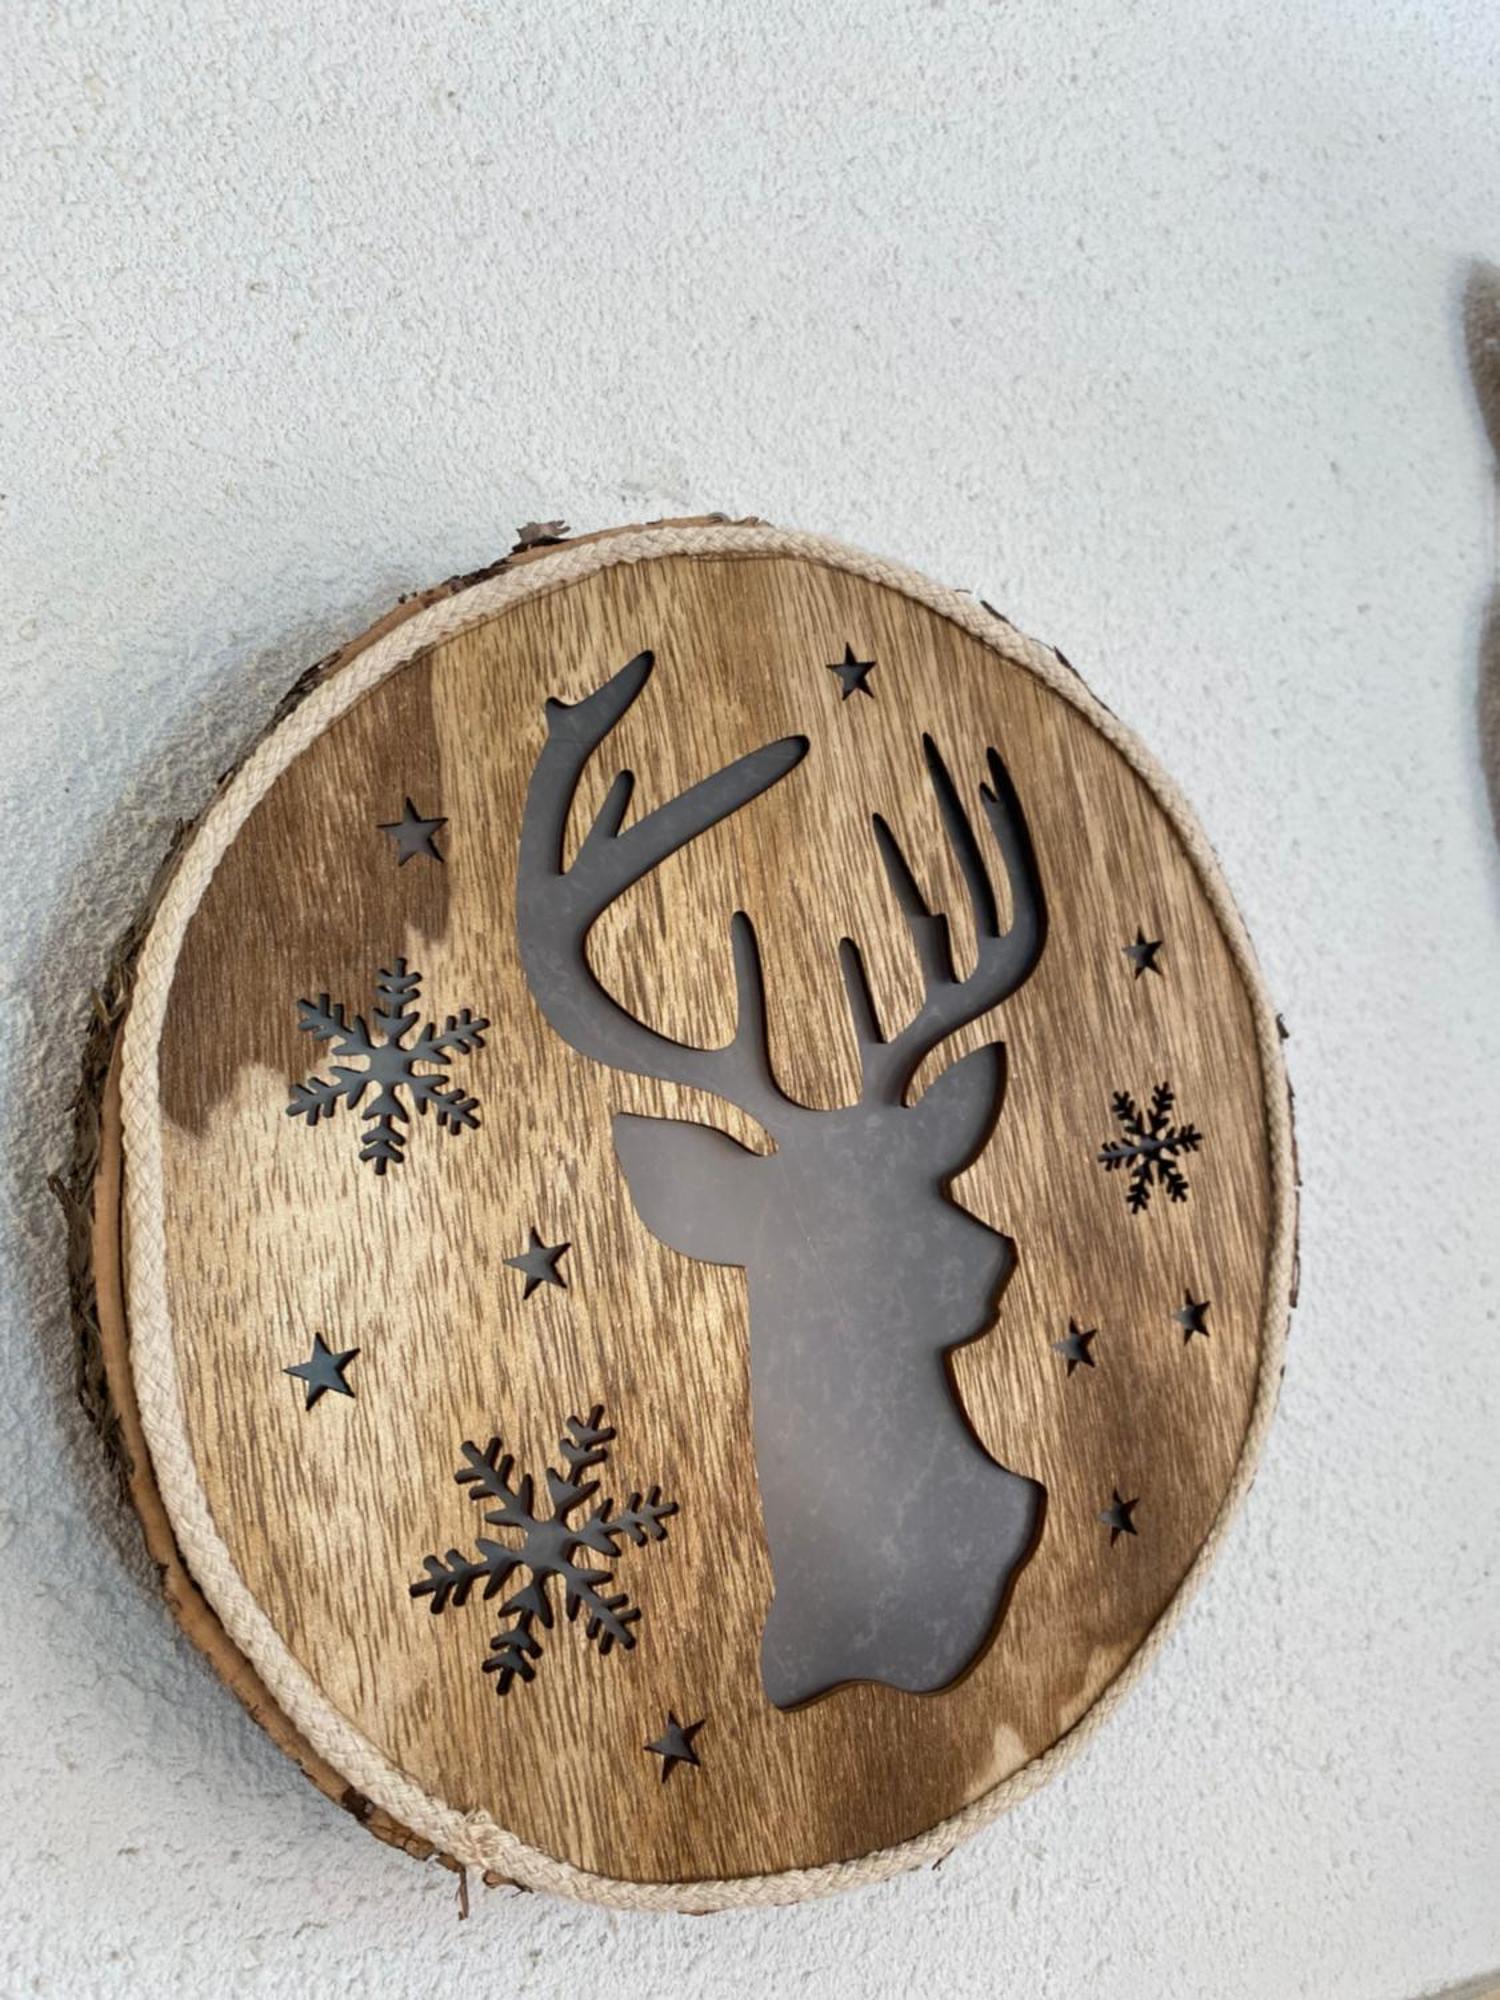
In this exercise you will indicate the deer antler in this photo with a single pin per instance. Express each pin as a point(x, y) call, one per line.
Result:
point(1006, 958)
point(556, 907)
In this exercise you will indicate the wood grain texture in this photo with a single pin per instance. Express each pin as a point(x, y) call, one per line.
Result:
point(186, 1602)
point(275, 1231)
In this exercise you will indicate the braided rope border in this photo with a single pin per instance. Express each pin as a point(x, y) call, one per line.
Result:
point(475, 1838)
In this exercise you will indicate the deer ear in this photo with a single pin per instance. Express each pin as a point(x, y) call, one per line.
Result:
point(958, 1109)
point(691, 1184)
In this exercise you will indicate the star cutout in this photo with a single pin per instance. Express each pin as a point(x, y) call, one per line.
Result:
point(413, 835)
point(675, 1745)
point(539, 1263)
point(853, 675)
point(1142, 954)
point(322, 1370)
point(1190, 1316)
point(1118, 1517)
point(1075, 1344)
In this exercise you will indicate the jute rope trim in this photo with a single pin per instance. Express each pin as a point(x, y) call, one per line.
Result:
point(475, 1838)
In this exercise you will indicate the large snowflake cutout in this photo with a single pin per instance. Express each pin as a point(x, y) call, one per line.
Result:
point(551, 1541)
point(1150, 1148)
point(384, 1060)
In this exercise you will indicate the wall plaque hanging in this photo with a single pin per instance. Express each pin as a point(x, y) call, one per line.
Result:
point(695, 1220)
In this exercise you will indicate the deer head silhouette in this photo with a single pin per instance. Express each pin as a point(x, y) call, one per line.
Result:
point(893, 1535)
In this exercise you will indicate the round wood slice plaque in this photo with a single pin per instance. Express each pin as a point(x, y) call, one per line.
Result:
point(708, 1214)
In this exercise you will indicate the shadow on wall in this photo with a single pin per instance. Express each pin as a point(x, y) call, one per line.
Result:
point(1482, 340)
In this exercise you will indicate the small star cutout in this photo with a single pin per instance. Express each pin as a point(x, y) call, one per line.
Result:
point(1118, 1517)
point(1190, 1316)
point(675, 1745)
point(1075, 1344)
point(853, 675)
point(413, 835)
point(1142, 954)
point(323, 1370)
point(539, 1263)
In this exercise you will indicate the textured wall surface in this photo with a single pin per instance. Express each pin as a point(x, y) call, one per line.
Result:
point(1143, 319)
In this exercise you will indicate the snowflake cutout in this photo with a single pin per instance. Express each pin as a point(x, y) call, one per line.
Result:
point(549, 1546)
point(1150, 1148)
point(389, 1064)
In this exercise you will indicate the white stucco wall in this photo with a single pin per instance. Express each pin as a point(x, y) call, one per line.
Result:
point(1144, 320)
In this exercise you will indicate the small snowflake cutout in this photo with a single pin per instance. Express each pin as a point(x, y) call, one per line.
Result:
point(551, 1544)
point(1151, 1147)
point(386, 1061)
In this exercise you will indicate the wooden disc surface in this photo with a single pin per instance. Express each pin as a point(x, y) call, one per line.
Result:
point(517, 1261)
